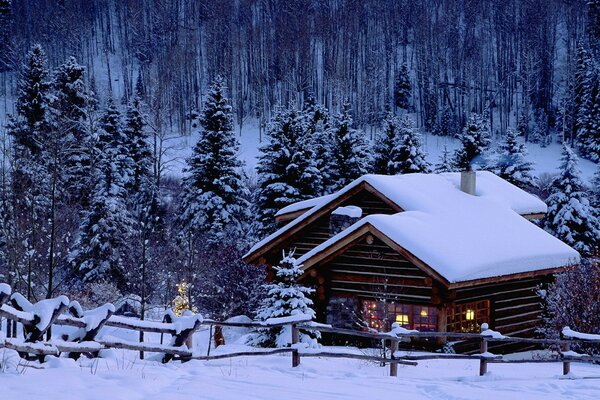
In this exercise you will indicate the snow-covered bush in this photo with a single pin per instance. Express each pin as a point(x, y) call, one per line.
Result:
point(573, 300)
point(284, 298)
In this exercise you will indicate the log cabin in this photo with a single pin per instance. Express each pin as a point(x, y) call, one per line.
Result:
point(433, 252)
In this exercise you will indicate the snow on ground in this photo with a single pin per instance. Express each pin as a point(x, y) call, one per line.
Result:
point(122, 376)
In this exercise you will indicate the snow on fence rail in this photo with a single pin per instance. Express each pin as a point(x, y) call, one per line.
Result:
point(38, 318)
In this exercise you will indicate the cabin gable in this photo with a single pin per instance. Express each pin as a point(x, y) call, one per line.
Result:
point(315, 230)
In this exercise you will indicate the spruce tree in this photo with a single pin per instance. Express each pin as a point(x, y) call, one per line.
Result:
point(384, 148)
point(512, 164)
point(317, 124)
point(31, 130)
point(213, 201)
point(474, 139)
point(409, 150)
point(100, 253)
point(139, 149)
point(70, 105)
point(350, 153)
point(287, 171)
point(445, 163)
point(402, 88)
point(586, 108)
point(284, 298)
point(570, 216)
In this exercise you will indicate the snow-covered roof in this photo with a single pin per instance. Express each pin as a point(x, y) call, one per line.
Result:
point(491, 186)
point(462, 237)
point(304, 205)
point(398, 190)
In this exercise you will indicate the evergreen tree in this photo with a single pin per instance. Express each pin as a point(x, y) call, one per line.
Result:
point(570, 216)
point(445, 164)
point(70, 103)
point(317, 124)
point(474, 139)
point(284, 298)
point(409, 150)
point(139, 149)
point(511, 163)
point(350, 151)
point(402, 88)
point(30, 130)
point(586, 111)
point(213, 201)
point(100, 253)
point(385, 157)
point(287, 171)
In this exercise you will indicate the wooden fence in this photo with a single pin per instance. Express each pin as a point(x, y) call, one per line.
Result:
point(37, 320)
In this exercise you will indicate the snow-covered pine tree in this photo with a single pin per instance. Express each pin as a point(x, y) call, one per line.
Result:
point(317, 125)
point(570, 216)
point(585, 109)
point(287, 171)
point(475, 139)
point(285, 297)
point(70, 102)
point(100, 252)
point(511, 163)
point(138, 146)
point(384, 148)
point(350, 153)
point(30, 130)
point(402, 88)
point(213, 201)
point(409, 150)
point(445, 164)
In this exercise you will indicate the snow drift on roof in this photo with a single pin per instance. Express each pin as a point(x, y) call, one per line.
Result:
point(462, 237)
point(491, 186)
point(304, 205)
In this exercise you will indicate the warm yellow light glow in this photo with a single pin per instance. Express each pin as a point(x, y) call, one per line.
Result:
point(423, 312)
point(470, 315)
point(402, 319)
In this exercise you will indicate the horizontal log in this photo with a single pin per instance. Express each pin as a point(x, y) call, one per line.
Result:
point(380, 294)
point(152, 348)
point(448, 357)
point(243, 354)
point(38, 349)
point(359, 357)
point(12, 313)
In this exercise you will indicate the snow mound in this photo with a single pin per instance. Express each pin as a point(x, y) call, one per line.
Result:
point(348, 211)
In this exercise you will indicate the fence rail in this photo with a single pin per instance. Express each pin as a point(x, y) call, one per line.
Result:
point(35, 325)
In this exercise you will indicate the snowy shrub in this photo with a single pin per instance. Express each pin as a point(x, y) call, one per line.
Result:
point(91, 295)
point(573, 300)
point(284, 298)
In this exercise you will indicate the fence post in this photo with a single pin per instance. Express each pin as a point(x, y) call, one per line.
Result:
point(295, 340)
point(483, 348)
point(566, 364)
point(393, 365)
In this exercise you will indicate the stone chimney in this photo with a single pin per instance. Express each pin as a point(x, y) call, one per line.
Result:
point(468, 181)
point(342, 217)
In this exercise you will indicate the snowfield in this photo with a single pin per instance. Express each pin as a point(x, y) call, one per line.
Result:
point(122, 376)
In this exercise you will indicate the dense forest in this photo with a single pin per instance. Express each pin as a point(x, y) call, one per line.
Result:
point(91, 92)
point(515, 58)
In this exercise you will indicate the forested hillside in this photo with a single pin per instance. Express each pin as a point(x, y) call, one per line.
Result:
point(516, 58)
point(94, 95)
